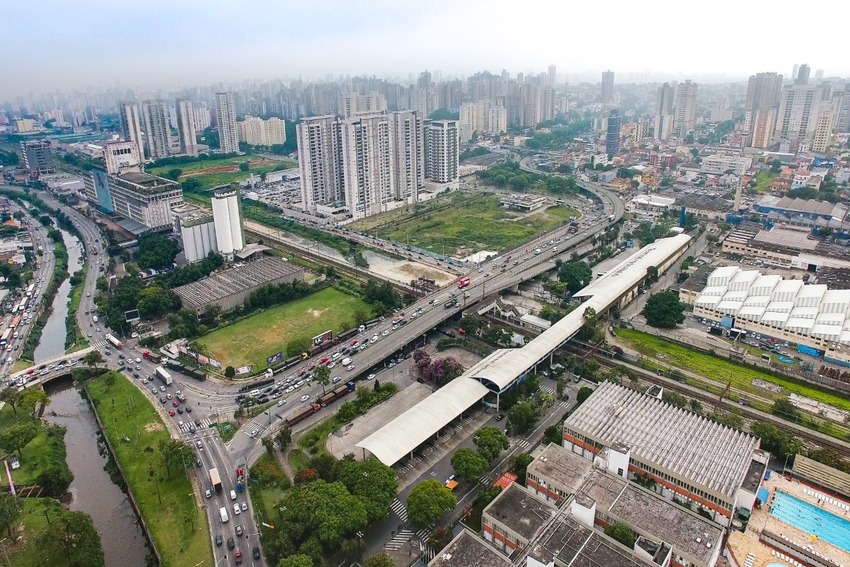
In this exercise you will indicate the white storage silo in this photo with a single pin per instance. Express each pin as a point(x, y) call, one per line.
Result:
point(228, 220)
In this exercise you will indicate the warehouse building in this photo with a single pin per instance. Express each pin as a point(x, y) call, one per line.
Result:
point(785, 246)
point(810, 316)
point(229, 289)
point(689, 456)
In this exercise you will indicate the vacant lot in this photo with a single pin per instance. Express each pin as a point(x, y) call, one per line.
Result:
point(213, 172)
point(253, 339)
point(179, 528)
point(721, 370)
point(461, 224)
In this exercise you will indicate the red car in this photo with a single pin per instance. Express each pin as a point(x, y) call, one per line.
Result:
point(238, 557)
point(302, 372)
point(324, 360)
point(355, 342)
point(171, 412)
point(175, 403)
point(31, 370)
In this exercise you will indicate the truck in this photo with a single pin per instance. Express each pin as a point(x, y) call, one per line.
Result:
point(163, 375)
point(463, 282)
point(240, 479)
point(114, 341)
point(15, 322)
point(153, 357)
point(339, 392)
point(301, 414)
point(181, 398)
point(215, 480)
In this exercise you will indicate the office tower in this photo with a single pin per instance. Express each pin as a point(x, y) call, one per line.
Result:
point(225, 114)
point(186, 127)
point(762, 103)
point(441, 151)
point(612, 138)
point(552, 76)
point(802, 77)
point(320, 161)
point(131, 127)
point(157, 132)
point(607, 94)
point(37, 156)
point(686, 108)
point(664, 112)
point(798, 112)
point(227, 217)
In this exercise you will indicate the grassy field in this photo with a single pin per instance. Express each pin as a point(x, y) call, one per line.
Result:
point(463, 223)
point(212, 179)
point(29, 553)
point(763, 181)
point(127, 414)
point(44, 449)
point(721, 370)
point(253, 339)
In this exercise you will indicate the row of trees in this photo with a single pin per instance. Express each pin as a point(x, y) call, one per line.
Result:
point(509, 174)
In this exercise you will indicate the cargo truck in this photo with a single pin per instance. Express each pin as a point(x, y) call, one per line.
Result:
point(153, 357)
point(114, 341)
point(339, 392)
point(215, 480)
point(463, 282)
point(240, 479)
point(163, 375)
point(301, 414)
point(222, 513)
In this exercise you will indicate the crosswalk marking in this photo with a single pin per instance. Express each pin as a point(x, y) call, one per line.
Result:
point(399, 509)
point(205, 423)
point(549, 389)
point(98, 344)
point(523, 443)
point(399, 540)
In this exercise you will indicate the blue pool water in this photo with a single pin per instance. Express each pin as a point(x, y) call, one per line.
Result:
point(811, 519)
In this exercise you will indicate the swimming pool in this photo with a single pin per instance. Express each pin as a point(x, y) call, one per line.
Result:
point(811, 519)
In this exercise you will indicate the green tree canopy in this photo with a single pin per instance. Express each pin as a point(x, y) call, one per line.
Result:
point(380, 560)
point(156, 251)
point(664, 310)
point(322, 375)
point(469, 464)
point(73, 534)
point(522, 416)
point(9, 513)
point(622, 533)
point(491, 442)
point(325, 510)
point(583, 393)
point(374, 483)
point(575, 274)
point(16, 437)
point(428, 501)
point(296, 561)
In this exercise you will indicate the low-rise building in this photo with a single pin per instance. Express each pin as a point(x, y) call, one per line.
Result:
point(649, 206)
point(140, 197)
point(514, 518)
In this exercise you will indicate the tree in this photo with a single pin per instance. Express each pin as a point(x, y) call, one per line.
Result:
point(299, 560)
point(664, 310)
point(428, 501)
point(9, 513)
point(156, 251)
point(109, 380)
point(73, 534)
point(784, 408)
point(92, 359)
point(776, 167)
point(651, 275)
point(380, 560)
point(371, 481)
point(175, 452)
point(229, 372)
point(244, 166)
point(322, 375)
point(16, 437)
point(174, 174)
point(55, 478)
point(490, 442)
point(583, 393)
point(469, 464)
point(12, 397)
point(622, 533)
point(306, 475)
point(522, 416)
point(575, 274)
point(284, 438)
point(268, 444)
point(154, 302)
point(322, 510)
point(519, 464)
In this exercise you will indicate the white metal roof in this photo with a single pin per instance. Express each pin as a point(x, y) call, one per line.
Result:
point(690, 445)
point(415, 426)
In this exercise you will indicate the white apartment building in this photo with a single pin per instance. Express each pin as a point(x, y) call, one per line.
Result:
point(799, 107)
point(664, 112)
point(203, 119)
point(686, 108)
point(719, 165)
point(186, 127)
point(356, 103)
point(225, 113)
point(824, 127)
point(258, 132)
point(320, 161)
point(157, 132)
point(484, 116)
point(441, 150)
point(131, 126)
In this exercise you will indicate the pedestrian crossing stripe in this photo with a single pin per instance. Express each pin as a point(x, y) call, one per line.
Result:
point(399, 509)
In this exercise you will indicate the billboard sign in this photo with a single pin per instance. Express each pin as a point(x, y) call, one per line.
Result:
point(245, 369)
point(326, 336)
point(274, 358)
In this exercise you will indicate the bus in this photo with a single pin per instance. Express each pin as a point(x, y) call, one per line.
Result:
point(463, 282)
point(30, 290)
point(4, 338)
point(16, 320)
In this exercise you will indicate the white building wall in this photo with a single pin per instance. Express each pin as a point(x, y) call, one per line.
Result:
point(198, 241)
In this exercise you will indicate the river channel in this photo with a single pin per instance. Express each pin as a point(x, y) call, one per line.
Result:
point(92, 490)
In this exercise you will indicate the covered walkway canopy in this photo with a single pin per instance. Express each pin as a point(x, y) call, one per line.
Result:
point(496, 372)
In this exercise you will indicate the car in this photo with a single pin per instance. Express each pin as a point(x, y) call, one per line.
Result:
point(374, 339)
point(236, 510)
point(305, 397)
point(244, 506)
point(171, 412)
point(168, 395)
point(197, 422)
point(238, 529)
point(230, 544)
point(97, 329)
point(162, 388)
point(218, 539)
point(145, 380)
point(253, 434)
point(331, 365)
point(386, 332)
point(89, 335)
point(500, 417)
point(280, 402)
point(233, 495)
point(162, 400)
point(336, 355)
point(175, 403)
point(256, 553)
point(290, 389)
point(238, 556)
point(350, 367)
point(188, 409)
point(391, 364)
point(138, 367)
point(370, 377)
point(208, 494)
point(138, 360)
point(335, 379)
point(154, 391)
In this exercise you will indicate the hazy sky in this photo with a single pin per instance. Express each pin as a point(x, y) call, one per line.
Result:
point(57, 44)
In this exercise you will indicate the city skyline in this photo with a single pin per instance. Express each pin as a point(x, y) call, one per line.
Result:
point(113, 45)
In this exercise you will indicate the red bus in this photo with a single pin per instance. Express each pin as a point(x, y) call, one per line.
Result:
point(463, 282)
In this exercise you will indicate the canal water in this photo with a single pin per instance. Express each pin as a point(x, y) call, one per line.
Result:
point(53, 335)
point(92, 490)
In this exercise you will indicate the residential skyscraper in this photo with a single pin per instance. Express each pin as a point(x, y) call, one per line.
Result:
point(824, 127)
point(612, 138)
point(686, 108)
point(802, 77)
point(225, 113)
point(131, 127)
point(762, 104)
point(799, 106)
point(441, 150)
point(186, 127)
point(320, 161)
point(257, 132)
point(157, 132)
point(664, 112)
point(607, 94)
point(552, 76)
point(356, 103)
point(843, 122)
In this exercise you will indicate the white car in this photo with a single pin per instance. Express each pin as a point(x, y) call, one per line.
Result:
point(138, 360)
point(244, 506)
point(233, 495)
point(350, 367)
point(386, 332)
point(305, 397)
point(336, 379)
point(236, 509)
point(208, 493)
point(375, 339)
